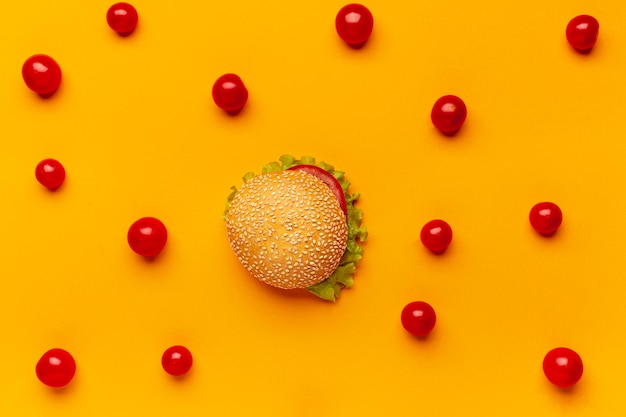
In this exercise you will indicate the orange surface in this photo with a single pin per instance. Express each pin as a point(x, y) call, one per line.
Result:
point(136, 128)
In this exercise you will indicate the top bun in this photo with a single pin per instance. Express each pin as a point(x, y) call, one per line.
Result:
point(287, 229)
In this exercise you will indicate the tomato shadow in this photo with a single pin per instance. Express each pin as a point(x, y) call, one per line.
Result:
point(567, 392)
point(357, 46)
point(450, 134)
point(126, 34)
point(439, 252)
point(361, 46)
point(48, 96)
point(63, 391)
point(152, 260)
point(54, 190)
point(549, 235)
point(426, 340)
point(234, 113)
point(180, 379)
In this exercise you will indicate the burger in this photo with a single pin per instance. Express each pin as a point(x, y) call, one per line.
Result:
point(295, 225)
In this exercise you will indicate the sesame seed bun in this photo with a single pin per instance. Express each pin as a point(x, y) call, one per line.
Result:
point(287, 229)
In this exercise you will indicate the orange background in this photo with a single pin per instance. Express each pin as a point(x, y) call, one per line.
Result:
point(137, 131)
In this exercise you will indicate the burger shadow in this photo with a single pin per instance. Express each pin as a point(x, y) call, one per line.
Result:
point(289, 295)
point(296, 293)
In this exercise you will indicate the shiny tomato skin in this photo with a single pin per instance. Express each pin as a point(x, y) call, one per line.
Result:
point(42, 74)
point(436, 235)
point(582, 32)
point(147, 237)
point(545, 217)
point(418, 318)
point(229, 93)
point(354, 24)
point(563, 367)
point(448, 114)
point(328, 179)
point(50, 173)
point(56, 368)
point(122, 18)
point(177, 360)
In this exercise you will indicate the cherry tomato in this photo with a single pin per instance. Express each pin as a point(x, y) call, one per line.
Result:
point(418, 318)
point(354, 24)
point(42, 74)
point(229, 93)
point(122, 18)
point(147, 236)
point(582, 32)
point(545, 218)
point(56, 368)
point(448, 114)
point(177, 360)
point(563, 367)
point(436, 235)
point(50, 173)
point(328, 179)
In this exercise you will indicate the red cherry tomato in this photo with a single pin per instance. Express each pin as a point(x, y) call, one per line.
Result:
point(328, 179)
point(563, 367)
point(56, 368)
point(229, 93)
point(147, 236)
point(448, 114)
point(418, 318)
point(41, 74)
point(582, 32)
point(436, 235)
point(545, 218)
point(122, 18)
point(50, 173)
point(177, 360)
point(354, 24)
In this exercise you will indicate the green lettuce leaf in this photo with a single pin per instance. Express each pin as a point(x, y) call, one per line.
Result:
point(330, 288)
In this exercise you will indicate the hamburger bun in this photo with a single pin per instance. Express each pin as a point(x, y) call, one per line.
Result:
point(287, 229)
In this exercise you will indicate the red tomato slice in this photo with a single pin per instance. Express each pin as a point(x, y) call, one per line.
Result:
point(328, 179)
